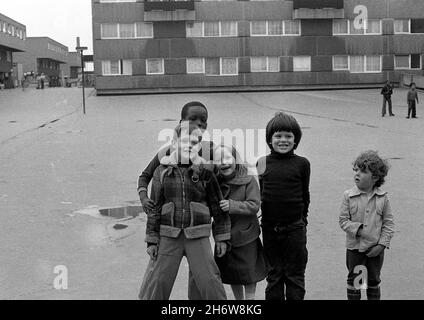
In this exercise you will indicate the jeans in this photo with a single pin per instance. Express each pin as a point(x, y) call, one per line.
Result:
point(285, 249)
point(383, 111)
point(412, 108)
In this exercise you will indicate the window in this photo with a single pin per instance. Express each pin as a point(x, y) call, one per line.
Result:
point(229, 66)
point(302, 63)
point(116, 67)
point(194, 29)
point(258, 28)
point(275, 28)
point(365, 64)
point(402, 26)
point(417, 25)
point(195, 65)
point(212, 67)
point(265, 64)
point(229, 28)
point(126, 30)
point(402, 62)
point(109, 30)
point(212, 29)
point(341, 63)
point(221, 66)
point(110, 68)
point(144, 30)
point(354, 30)
point(415, 61)
point(373, 26)
point(155, 66)
point(412, 61)
point(292, 27)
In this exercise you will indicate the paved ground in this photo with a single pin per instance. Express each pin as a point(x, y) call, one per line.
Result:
point(55, 161)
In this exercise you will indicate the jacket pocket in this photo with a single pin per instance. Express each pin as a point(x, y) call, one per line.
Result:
point(199, 214)
point(167, 214)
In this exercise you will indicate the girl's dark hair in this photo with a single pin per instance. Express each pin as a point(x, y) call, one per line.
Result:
point(283, 122)
point(187, 106)
point(375, 164)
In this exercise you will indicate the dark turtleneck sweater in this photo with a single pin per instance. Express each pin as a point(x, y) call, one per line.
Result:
point(284, 183)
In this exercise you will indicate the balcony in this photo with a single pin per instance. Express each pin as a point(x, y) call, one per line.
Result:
point(169, 10)
point(318, 9)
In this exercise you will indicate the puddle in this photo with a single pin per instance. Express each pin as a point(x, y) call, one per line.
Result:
point(395, 158)
point(13, 121)
point(169, 120)
point(121, 212)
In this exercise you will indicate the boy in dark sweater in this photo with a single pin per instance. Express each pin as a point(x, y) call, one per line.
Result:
point(284, 182)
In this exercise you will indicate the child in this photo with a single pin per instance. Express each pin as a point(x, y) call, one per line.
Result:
point(186, 196)
point(197, 115)
point(387, 92)
point(284, 182)
point(367, 219)
point(244, 264)
point(412, 96)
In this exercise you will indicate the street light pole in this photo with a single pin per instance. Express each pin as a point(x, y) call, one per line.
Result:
point(81, 51)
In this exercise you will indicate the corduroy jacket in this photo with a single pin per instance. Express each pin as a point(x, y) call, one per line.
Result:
point(186, 199)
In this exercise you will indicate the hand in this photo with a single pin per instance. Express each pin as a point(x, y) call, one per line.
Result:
point(225, 205)
point(148, 205)
point(375, 251)
point(153, 252)
point(220, 249)
point(359, 232)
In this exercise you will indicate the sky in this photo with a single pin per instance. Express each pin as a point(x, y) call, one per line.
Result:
point(61, 20)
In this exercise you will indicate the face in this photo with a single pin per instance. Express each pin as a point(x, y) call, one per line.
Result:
point(413, 87)
point(227, 163)
point(364, 179)
point(282, 141)
point(197, 116)
point(186, 146)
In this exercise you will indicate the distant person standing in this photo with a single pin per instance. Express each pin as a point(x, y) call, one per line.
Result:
point(412, 97)
point(42, 79)
point(387, 92)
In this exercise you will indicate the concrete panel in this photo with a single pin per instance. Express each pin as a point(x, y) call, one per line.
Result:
point(388, 62)
point(321, 63)
point(317, 27)
point(388, 27)
point(286, 64)
point(407, 44)
point(139, 67)
point(175, 66)
point(331, 45)
point(123, 12)
point(169, 29)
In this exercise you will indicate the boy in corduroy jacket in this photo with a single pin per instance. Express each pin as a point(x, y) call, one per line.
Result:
point(186, 196)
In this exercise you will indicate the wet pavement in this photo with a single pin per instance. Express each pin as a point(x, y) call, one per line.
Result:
point(67, 181)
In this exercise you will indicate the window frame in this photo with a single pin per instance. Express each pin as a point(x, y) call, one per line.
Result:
point(203, 66)
point(162, 63)
point(302, 56)
point(380, 27)
point(348, 62)
point(403, 32)
point(266, 63)
point(365, 64)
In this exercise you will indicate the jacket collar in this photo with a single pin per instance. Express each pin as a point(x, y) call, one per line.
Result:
point(240, 181)
point(356, 192)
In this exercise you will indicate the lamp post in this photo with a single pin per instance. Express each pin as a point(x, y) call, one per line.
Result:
point(81, 51)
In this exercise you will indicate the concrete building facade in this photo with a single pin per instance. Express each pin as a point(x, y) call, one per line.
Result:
point(44, 55)
point(149, 46)
point(12, 39)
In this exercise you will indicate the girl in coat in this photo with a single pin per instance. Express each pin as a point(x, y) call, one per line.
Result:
point(244, 265)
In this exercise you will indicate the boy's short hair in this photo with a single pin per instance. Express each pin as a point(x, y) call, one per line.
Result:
point(412, 84)
point(375, 164)
point(283, 122)
point(187, 106)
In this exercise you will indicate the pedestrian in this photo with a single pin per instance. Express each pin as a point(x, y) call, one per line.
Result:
point(42, 79)
point(412, 97)
point(284, 183)
point(186, 197)
point(244, 265)
point(387, 92)
point(366, 217)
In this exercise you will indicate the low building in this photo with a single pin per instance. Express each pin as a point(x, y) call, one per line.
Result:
point(148, 46)
point(12, 39)
point(44, 55)
point(72, 68)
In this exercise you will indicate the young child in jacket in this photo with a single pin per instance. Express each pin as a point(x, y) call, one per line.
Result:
point(366, 217)
point(186, 196)
point(411, 98)
point(195, 114)
point(244, 265)
point(284, 182)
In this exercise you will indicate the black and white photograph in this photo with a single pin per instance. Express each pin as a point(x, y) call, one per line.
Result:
point(211, 150)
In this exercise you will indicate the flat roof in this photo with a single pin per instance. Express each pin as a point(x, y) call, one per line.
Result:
point(10, 20)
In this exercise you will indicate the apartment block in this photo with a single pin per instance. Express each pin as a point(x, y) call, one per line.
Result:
point(166, 46)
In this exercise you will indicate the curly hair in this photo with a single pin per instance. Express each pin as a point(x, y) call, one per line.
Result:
point(283, 122)
point(375, 164)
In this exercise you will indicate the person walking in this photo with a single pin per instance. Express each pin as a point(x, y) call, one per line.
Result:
point(412, 97)
point(387, 92)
